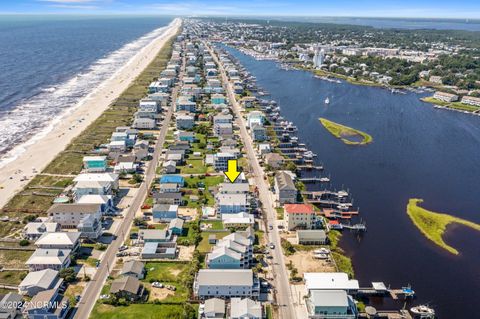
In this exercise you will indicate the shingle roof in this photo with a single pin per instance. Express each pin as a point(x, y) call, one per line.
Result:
point(133, 266)
point(128, 283)
point(74, 208)
point(245, 308)
point(42, 278)
point(298, 209)
point(284, 181)
point(215, 305)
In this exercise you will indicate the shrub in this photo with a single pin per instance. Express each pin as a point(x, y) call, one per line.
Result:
point(24, 242)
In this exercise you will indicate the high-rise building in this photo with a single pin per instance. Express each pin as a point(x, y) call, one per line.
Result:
point(318, 58)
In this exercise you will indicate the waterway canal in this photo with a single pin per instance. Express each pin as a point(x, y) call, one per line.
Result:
point(417, 151)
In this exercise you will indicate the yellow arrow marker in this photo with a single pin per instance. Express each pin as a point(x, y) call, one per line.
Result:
point(232, 172)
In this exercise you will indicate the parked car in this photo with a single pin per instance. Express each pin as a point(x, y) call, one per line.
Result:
point(157, 284)
point(272, 246)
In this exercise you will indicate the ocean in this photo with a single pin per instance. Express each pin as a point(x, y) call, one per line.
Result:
point(48, 64)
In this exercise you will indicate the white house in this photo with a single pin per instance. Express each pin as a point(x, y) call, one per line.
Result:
point(34, 230)
point(37, 281)
point(55, 259)
point(232, 203)
point(70, 215)
point(245, 308)
point(226, 283)
point(59, 240)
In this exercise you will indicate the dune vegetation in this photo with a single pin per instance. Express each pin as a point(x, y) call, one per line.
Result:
point(433, 225)
point(348, 135)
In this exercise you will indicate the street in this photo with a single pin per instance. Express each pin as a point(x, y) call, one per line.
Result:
point(281, 281)
point(94, 287)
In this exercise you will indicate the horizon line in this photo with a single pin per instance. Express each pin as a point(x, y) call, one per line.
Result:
point(230, 15)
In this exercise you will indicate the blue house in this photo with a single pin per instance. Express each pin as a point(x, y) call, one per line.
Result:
point(218, 99)
point(176, 226)
point(164, 212)
point(172, 179)
point(186, 136)
point(224, 258)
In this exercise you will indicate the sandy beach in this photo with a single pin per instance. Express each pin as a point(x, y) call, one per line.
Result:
point(37, 156)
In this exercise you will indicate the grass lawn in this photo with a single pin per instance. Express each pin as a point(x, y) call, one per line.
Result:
point(12, 277)
point(164, 271)
point(197, 167)
point(137, 311)
point(215, 224)
point(279, 212)
point(205, 246)
point(344, 133)
point(207, 181)
point(433, 225)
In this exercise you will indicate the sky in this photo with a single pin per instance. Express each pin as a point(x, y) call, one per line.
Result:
point(344, 8)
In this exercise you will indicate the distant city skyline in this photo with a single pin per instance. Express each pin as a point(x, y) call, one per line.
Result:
point(465, 9)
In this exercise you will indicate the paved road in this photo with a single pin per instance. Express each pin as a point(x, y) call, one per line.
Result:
point(92, 290)
point(281, 281)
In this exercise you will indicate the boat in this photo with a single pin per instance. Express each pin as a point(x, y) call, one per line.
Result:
point(408, 291)
point(423, 311)
point(322, 251)
point(327, 100)
point(324, 179)
point(320, 256)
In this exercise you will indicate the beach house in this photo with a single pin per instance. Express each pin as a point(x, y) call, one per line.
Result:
point(285, 190)
point(127, 287)
point(37, 281)
point(55, 259)
point(222, 129)
point(165, 213)
point(225, 258)
point(255, 117)
point(184, 121)
point(220, 161)
point(133, 268)
point(184, 103)
point(99, 177)
point(299, 216)
point(232, 203)
point(225, 283)
point(175, 179)
point(34, 230)
point(245, 308)
point(47, 304)
point(214, 308)
point(258, 133)
point(59, 240)
point(176, 226)
point(95, 164)
point(70, 215)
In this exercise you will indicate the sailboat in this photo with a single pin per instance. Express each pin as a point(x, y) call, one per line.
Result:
point(327, 100)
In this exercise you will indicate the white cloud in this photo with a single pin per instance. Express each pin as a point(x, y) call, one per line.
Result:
point(75, 7)
point(67, 1)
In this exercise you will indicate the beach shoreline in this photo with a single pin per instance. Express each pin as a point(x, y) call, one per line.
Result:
point(38, 154)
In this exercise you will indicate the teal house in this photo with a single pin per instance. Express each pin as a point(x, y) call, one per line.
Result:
point(331, 304)
point(95, 163)
point(218, 99)
point(225, 258)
